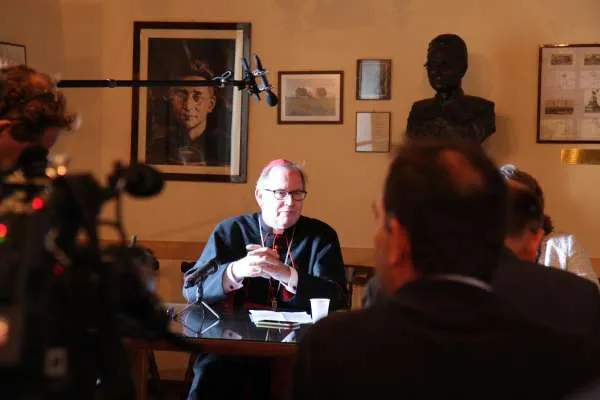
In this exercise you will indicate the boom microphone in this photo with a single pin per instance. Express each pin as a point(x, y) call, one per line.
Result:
point(270, 97)
point(250, 80)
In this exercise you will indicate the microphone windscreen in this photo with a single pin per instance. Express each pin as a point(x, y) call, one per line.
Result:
point(143, 181)
point(271, 99)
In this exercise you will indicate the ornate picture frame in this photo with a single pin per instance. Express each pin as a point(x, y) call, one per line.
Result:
point(190, 133)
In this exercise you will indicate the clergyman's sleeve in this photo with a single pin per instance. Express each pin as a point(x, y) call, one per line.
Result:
point(201, 284)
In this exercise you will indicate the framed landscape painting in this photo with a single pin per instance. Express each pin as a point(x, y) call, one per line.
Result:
point(311, 97)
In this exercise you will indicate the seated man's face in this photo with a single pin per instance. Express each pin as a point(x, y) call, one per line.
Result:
point(281, 213)
point(445, 68)
point(192, 104)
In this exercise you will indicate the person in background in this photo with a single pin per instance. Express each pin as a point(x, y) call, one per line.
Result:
point(442, 334)
point(275, 258)
point(546, 295)
point(557, 249)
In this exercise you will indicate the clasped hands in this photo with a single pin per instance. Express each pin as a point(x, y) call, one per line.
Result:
point(261, 262)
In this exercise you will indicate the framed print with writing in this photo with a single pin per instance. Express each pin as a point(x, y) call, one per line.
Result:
point(12, 54)
point(311, 97)
point(373, 79)
point(373, 132)
point(190, 133)
point(568, 94)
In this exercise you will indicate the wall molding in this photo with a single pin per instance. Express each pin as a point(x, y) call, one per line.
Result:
point(189, 251)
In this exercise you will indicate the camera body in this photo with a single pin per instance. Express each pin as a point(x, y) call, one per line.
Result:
point(65, 303)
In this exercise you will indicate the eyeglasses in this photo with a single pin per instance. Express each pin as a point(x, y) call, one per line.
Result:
point(282, 194)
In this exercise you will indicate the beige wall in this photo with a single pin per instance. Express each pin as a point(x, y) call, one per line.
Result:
point(93, 39)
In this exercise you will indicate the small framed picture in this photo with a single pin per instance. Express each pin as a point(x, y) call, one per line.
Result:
point(12, 54)
point(374, 79)
point(373, 132)
point(311, 97)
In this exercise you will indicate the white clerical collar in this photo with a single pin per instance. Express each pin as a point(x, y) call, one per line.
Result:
point(467, 280)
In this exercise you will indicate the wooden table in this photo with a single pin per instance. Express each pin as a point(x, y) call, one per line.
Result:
point(234, 335)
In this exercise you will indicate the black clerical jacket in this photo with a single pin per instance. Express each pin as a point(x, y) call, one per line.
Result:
point(315, 251)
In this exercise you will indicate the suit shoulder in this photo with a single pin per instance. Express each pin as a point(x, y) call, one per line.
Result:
point(541, 276)
point(344, 326)
point(571, 278)
point(235, 222)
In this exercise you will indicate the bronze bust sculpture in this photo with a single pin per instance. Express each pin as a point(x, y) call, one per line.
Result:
point(450, 113)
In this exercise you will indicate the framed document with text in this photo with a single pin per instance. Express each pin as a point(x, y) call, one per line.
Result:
point(568, 94)
point(373, 132)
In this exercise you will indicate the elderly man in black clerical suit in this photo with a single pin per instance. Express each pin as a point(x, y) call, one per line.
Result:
point(442, 334)
point(450, 113)
point(272, 258)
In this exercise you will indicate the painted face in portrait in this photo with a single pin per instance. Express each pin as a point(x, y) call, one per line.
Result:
point(281, 210)
point(192, 104)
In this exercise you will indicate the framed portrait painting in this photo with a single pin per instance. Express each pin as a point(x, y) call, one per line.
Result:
point(12, 54)
point(190, 133)
point(311, 97)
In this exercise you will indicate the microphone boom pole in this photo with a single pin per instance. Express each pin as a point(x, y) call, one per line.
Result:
point(248, 82)
point(113, 83)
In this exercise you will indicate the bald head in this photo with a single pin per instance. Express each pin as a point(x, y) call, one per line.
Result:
point(451, 200)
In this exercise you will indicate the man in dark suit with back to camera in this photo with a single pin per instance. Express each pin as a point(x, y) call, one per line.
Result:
point(442, 333)
point(546, 295)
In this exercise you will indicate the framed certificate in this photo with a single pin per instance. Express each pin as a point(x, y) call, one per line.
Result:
point(373, 132)
point(569, 94)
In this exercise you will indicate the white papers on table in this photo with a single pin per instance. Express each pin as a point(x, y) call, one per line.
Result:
point(281, 316)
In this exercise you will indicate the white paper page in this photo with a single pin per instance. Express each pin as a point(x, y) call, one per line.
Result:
point(262, 315)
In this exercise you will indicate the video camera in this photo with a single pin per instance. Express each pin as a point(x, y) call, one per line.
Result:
point(65, 302)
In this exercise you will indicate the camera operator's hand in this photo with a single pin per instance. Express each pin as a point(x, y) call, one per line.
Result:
point(260, 262)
